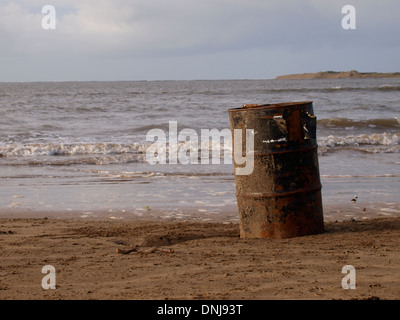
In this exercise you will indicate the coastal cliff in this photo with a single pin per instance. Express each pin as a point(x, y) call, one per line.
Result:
point(353, 74)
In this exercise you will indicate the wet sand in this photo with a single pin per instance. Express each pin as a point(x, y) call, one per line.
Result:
point(209, 259)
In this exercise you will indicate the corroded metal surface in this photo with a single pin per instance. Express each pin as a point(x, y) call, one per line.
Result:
point(281, 198)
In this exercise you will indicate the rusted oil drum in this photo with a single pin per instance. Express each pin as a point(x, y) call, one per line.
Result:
point(281, 197)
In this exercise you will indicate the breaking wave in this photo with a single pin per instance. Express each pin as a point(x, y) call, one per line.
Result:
point(36, 150)
point(370, 143)
point(391, 123)
point(387, 87)
point(113, 153)
point(104, 153)
point(338, 88)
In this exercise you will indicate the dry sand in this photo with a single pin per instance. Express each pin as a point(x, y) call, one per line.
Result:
point(210, 260)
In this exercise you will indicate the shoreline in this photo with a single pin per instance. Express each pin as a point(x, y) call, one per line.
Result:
point(360, 210)
point(209, 261)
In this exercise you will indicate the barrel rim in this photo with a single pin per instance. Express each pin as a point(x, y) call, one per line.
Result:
point(282, 105)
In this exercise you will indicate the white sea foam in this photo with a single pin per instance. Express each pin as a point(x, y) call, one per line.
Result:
point(36, 150)
point(373, 143)
point(108, 153)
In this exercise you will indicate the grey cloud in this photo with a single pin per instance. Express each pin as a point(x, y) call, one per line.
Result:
point(196, 32)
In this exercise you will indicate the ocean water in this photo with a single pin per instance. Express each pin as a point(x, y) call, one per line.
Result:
point(81, 146)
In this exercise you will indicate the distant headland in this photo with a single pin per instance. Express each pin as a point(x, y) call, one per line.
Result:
point(353, 74)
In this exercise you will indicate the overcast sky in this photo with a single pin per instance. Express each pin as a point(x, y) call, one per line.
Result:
point(194, 39)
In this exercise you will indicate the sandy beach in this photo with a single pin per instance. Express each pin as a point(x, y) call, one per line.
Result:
point(194, 260)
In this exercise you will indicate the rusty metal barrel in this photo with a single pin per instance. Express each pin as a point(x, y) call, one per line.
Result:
point(281, 197)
